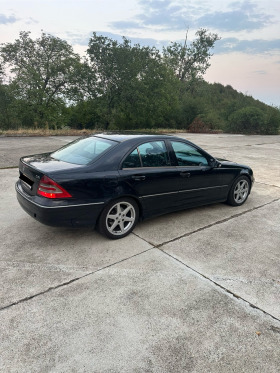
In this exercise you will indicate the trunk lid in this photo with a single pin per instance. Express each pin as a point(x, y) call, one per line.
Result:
point(33, 167)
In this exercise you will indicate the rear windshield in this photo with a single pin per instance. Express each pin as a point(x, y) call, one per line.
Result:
point(83, 151)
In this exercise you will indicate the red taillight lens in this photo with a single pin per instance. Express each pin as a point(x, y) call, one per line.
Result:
point(50, 189)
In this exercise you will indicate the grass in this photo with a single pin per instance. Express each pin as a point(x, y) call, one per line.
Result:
point(74, 132)
point(44, 132)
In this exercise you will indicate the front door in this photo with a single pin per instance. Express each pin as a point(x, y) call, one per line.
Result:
point(198, 182)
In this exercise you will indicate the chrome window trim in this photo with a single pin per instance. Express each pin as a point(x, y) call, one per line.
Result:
point(140, 158)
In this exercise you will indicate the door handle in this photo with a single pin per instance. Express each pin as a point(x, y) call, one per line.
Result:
point(185, 174)
point(138, 177)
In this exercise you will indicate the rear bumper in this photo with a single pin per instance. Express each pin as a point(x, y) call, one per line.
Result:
point(58, 213)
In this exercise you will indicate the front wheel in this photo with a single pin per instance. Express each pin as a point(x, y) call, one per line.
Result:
point(239, 191)
point(118, 218)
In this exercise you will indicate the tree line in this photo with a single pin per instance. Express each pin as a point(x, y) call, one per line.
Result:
point(121, 86)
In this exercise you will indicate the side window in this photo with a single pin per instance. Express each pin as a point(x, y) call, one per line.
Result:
point(132, 161)
point(187, 155)
point(152, 154)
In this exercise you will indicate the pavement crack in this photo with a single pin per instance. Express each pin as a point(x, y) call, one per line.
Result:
point(224, 289)
point(272, 185)
point(144, 239)
point(216, 223)
point(268, 143)
point(275, 329)
point(66, 283)
point(261, 144)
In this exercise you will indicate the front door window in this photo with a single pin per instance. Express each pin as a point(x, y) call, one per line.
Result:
point(187, 155)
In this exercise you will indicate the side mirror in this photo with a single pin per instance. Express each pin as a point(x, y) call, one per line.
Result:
point(213, 163)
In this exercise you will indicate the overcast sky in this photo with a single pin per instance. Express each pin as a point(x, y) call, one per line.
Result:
point(247, 57)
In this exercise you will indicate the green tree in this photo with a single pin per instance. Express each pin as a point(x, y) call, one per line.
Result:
point(6, 107)
point(133, 84)
point(43, 74)
point(190, 61)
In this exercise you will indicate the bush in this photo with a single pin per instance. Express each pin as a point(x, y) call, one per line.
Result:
point(199, 125)
point(252, 120)
point(272, 122)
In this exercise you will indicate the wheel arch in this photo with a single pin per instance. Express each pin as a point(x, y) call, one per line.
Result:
point(245, 174)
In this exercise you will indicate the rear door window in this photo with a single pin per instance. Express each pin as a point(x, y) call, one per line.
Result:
point(149, 154)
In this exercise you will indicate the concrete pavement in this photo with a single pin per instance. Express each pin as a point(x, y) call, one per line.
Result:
point(12, 148)
point(194, 291)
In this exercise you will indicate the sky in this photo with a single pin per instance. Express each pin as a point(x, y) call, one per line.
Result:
point(247, 57)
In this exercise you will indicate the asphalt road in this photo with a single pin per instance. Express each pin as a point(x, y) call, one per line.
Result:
point(194, 291)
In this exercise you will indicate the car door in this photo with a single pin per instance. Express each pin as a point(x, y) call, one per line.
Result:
point(147, 173)
point(197, 180)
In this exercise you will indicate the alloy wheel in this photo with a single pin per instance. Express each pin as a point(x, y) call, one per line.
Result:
point(120, 218)
point(241, 191)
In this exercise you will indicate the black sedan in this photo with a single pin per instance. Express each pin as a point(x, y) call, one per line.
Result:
point(113, 181)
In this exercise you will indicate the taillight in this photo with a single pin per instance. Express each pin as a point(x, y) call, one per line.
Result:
point(50, 189)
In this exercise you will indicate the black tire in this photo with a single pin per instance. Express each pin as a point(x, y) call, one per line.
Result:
point(239, 191)
point(118, 218)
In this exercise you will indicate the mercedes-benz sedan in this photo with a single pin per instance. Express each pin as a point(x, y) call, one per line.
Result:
point(113, 181)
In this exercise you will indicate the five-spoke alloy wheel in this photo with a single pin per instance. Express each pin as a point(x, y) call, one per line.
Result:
point(239, 191)
point(118, 218)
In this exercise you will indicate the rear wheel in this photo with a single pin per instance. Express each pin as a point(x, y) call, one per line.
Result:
point(239, 191)
point(118, 218)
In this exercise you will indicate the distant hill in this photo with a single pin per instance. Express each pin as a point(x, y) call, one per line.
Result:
point(219, 107)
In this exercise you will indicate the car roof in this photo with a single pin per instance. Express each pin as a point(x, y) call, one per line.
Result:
point(121, 137)
point(126, 142)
